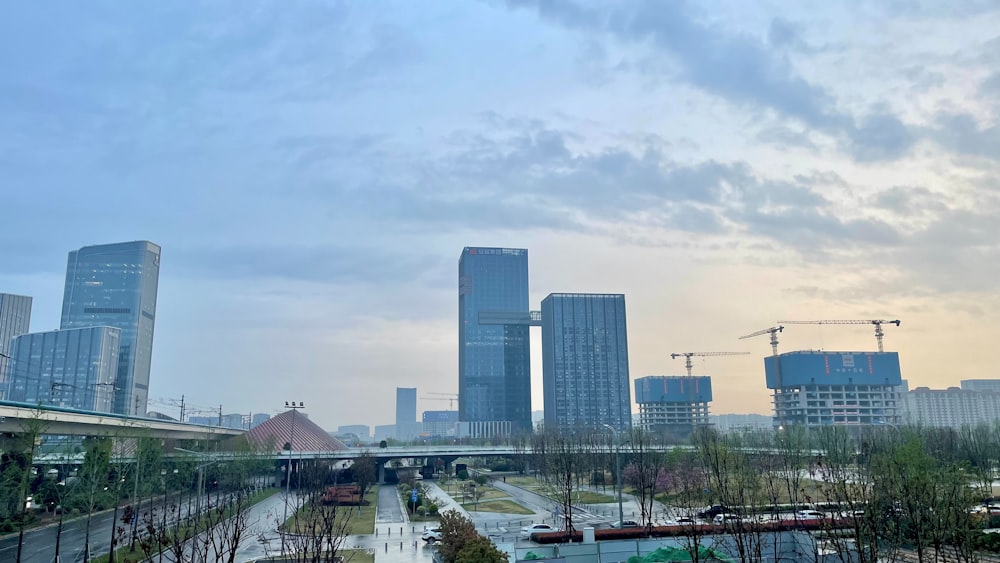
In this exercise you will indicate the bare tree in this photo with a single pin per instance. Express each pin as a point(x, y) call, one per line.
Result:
point(317, 530)
point(642, 473)
point(557, 455)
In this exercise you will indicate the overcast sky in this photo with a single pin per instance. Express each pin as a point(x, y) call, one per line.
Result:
point(313, 169)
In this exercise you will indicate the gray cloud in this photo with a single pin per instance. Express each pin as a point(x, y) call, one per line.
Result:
point(348, 264)
point(962, 133)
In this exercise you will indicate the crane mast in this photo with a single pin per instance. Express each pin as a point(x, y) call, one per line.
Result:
point(773, 331)
point(879, 333)
point(688, 355)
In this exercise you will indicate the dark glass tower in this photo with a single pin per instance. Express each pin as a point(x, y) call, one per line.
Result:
point(494, 361)
point(115, 285)
point(15, 318)
point(585, 361)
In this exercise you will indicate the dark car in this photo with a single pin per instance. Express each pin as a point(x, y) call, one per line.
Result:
point(714, 511)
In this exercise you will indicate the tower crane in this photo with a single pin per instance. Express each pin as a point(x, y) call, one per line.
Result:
point(688, 355)
point(773, 331)
point(779, 410)
point(450, 397)
point(878, 326)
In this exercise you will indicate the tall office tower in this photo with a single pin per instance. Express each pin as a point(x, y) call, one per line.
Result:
point(115, 285)
point(585, 362)
point(494, 361)
point(15, 318)
point(406, 405)
point(69, 368)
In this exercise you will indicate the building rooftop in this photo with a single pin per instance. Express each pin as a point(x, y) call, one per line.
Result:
point(308, 436)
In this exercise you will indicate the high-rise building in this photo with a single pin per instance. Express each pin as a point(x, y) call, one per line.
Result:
point(981, 385)
point(15, 319)
point(494, 361)
point(585, 361)
point(115, 285)
point(819, 388)
point(952, 407)
point(439, 423)
point(69, 368)
point(406, 405)
point(673, 404)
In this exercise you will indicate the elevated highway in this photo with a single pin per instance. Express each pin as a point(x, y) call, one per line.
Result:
point(21, 418)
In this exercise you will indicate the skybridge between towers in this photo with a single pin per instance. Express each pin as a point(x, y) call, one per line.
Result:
point(529, 318)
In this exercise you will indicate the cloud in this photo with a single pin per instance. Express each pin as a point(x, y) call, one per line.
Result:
point(962, 133)
point(881, 136)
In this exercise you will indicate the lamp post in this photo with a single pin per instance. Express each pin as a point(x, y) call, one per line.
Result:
point(618, 471)
point(288, 467)
point(197, 504)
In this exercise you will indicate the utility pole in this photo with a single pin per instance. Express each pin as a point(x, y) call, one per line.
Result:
point(288, 468)
point(182, 408)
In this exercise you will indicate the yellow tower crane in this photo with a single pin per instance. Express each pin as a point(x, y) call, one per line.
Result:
point(688, 355)
point(878, 326)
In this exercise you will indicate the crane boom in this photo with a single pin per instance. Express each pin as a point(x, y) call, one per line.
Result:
point(879, 333)
point(687, 357)
point(773, 331)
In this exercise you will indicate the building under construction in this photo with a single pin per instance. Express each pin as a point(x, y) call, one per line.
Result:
point(673, 404)
point(818, 388)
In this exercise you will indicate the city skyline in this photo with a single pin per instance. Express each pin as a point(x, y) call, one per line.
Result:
point(312, 171)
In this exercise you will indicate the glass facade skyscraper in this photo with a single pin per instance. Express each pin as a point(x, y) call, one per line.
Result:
point(115, 285)
point(15, 320)
point(406, 405)
point(585, 361)
point(494, 361)
point(69, 368)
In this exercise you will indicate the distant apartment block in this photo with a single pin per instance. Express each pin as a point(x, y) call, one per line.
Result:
point(673, 404)
point(69, 368)
point(406, 405)
point(976, 402)
point(385, 432)
point(981, 385)
point(819, 388)
point(585, 374)
point(116, 285)
point(439, 423)
point(15, 320)
point(259, 418)
point(494, 360)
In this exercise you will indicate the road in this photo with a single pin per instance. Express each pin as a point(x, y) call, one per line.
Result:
point(389, 510)
point(40, 543)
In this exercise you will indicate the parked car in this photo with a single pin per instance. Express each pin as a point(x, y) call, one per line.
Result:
point(539, 528)
point(809, 515)
point(685, 521)
point(432, 535)
point(625, 524)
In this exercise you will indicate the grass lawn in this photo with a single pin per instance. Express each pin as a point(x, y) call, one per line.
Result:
point(487, 492)
point(503, 506)
point(363, 523)
point(590, 497)
point(357, 556)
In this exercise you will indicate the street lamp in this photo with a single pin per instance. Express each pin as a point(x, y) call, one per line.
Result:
point(201, 488)
point(288, 467)
point(618, 471)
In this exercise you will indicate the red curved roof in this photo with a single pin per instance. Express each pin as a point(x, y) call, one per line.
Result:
point(308, 436)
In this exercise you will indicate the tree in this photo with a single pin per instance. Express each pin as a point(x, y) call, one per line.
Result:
point(643, 472)
point(365, 471)
point(317, 529)
point(480, 550)
point(457, 531)
point(559, 458)
point(686, 489)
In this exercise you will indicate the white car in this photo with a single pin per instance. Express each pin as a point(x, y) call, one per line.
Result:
point(809, 515)
point(725, 518)
point(432, 535)
point(528, 530)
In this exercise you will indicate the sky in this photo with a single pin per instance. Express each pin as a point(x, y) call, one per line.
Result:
point(313, 170)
